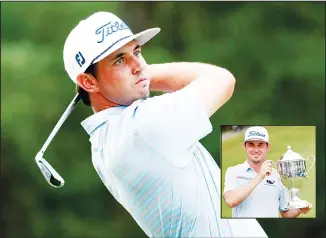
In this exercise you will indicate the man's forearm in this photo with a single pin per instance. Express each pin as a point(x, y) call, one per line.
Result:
point(291, 213)
point(170, 77)
point(238, 195)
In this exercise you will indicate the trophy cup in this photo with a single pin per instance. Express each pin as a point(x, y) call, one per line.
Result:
point(292, 165)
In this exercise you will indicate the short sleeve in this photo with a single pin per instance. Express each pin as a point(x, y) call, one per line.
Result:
point(284, 198)
point(230, 182)
point(172, 122)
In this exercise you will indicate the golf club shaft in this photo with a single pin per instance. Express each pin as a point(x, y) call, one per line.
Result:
point(62, 119)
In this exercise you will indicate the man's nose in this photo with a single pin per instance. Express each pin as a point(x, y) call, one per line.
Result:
point(137, 65)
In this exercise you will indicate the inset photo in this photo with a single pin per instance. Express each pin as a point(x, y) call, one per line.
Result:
point(268, 171)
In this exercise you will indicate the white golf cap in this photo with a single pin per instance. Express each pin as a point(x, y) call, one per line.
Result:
point(256, 133)
point(95, 38)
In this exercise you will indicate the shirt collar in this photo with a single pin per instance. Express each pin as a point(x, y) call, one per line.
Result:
point(95, 120)
point(247, 167)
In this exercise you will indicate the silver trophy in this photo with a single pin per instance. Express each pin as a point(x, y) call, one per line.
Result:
point(291, 165)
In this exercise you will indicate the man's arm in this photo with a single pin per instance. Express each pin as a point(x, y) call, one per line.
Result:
point(236, 196)
point(212, 86)
point(172, 122)
point(291, 213)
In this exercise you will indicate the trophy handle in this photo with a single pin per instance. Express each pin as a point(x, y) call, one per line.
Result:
point(313, 157)
point(275, 164)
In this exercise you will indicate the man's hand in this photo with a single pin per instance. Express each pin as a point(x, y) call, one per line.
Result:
point(295, 212)
point(305, 210)
point(265, 169)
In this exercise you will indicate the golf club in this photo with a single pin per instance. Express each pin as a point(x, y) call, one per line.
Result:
point(49, 173)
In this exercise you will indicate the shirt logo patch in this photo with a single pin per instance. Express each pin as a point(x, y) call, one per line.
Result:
point(270, 182)
point(242, 177)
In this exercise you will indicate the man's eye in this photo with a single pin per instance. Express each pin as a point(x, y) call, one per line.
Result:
point(119, 61)
point(137, 53)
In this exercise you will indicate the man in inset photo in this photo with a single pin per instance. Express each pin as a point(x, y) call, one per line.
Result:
point(254, 188)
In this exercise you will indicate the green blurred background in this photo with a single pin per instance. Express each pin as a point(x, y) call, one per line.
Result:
point(275, 50)
point(302, 140)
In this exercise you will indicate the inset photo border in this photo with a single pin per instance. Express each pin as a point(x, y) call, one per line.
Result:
point(268, 171)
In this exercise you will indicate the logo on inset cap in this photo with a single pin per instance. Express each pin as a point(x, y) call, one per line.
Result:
point(256, 133)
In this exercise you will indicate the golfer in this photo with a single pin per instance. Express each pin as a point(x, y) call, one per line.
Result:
point(146, 150)
point(254, 189)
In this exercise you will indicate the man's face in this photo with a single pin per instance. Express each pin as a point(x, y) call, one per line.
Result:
point(256, 150)
point(121, 76)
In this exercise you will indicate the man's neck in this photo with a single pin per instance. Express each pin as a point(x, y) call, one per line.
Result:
point(100, 103)
point(255, 165)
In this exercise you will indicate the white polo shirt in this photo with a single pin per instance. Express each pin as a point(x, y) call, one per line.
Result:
point(266, 200)
point(149, 158)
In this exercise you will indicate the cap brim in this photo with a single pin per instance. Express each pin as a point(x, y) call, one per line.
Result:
point(141, 38)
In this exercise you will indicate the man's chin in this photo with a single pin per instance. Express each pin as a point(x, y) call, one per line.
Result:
point(145, 95)
point(256, 159)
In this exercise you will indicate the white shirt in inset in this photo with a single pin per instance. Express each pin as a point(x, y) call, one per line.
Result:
point(266, 200)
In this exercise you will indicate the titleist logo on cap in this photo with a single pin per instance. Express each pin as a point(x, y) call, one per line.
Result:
point(256, 133)
point(109, 29)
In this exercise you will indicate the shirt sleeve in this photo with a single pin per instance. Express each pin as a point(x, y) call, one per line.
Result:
point(284, 198)
point(172, 122)
point(230, 182)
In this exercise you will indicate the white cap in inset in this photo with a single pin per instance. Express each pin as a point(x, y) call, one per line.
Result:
point(256, 133)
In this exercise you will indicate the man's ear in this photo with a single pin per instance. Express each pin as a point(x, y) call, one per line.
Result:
point(88, 83)
point(244, 145)
point(268, 146)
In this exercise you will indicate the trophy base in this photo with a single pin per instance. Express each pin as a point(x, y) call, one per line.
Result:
point(298, 204)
